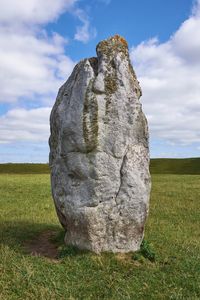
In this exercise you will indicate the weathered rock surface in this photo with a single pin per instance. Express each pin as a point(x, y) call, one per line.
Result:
point(99, 154)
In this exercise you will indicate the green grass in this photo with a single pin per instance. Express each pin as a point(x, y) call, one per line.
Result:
point(172, 234)
point(157, 166)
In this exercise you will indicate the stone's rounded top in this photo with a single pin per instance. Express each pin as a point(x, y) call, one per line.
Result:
point(118, 39)
point(113, 44)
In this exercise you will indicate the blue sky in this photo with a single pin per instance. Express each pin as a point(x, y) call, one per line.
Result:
point(40, 42)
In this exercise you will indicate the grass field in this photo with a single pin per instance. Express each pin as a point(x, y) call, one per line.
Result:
point(28, 216)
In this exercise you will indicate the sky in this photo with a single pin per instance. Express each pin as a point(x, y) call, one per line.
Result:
point(41, 41)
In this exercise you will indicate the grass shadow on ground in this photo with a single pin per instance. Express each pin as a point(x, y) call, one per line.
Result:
point(38, 239)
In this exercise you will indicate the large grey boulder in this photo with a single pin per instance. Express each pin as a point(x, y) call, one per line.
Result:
point(99, 155)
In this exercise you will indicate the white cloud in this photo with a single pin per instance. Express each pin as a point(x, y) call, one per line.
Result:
point(170, 79)
point(25, 125)
point(33, 64)
point(84, 32)
point(32, 11)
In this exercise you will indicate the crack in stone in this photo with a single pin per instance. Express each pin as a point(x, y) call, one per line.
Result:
point(121, 177)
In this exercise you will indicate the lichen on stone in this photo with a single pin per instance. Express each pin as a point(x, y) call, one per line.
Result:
point(94, 64)
point(111, 45)
point(110, 81)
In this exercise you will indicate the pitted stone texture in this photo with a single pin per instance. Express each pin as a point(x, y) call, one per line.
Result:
point(99, 154)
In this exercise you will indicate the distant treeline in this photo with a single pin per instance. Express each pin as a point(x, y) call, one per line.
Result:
point(24, 168)
point(175, 166)
point(157, 166)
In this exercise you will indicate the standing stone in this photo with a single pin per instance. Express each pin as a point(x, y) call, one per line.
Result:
point(99, 155)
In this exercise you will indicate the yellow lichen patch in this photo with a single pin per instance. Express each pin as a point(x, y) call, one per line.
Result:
point(110, 84)
point(119, 38)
